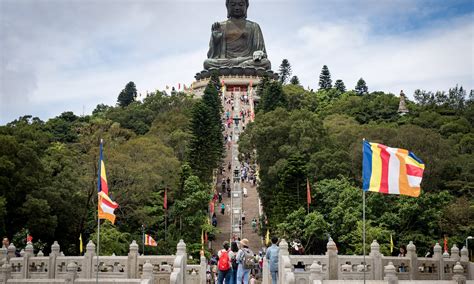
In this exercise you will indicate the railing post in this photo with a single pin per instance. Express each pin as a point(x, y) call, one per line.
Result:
point(71, 273)
point(5, 272)
point(29, 252)
point(464, 254)
point(88, 265)
point(265, 271)
point(55, 251)
point(281, 265)
point(147, 271)
point(3, 254)
point(132, 263)
point(377, 260)
point(332, 259)
point(11, 250)
point(390, 274)
point(411, 253)
point(316, 272)
point(202, 269)
point(459, 273)
point(455, 253)
point(438, 256)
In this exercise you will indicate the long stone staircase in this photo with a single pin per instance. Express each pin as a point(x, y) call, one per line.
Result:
point(250, 202)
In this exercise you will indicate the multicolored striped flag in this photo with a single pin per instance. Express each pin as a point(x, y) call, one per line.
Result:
point(391, 244)
point(308, 192)
point(165, 200)
point(391, 170)
point(106, 206)
point(80, 243)
point(149, 241)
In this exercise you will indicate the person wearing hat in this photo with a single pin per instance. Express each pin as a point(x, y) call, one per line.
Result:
point(243, 258)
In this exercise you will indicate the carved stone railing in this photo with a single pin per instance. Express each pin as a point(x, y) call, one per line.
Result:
point(307, 268)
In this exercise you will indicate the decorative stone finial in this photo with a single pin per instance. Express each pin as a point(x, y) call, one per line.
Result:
point(458, 269)
point(284, 247)
point(316, 267)
point(411, 248)
point(181, 247)
point(390, 273)
point(55, 248)
point(90, 247)
point(147, 270)
point(437, 251)
point(40, 253)
point(446, 254)
point(455, 252)
point(22, 253)
point(29, 249)
point(374, 248)
point(11, 250)
point(331, 245)
point(464, 254)
point(133, 246)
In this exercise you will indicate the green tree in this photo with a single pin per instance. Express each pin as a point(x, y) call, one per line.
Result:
point(284, 71)
point(112, 241)
point(339, 85)
point(272, 97)
point(127, 95)
point(361, 87)
point(325, 82)
point(295, 81)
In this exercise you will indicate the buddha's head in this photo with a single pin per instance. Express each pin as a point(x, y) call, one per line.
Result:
point(237, 8)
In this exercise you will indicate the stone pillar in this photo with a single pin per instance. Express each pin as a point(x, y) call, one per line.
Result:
point(464, 254)
point(147, 270)
point(5, 273)
point(55, 252)
point(316, 272)
point(87, 265)
point(132, 263)
point(283, 252)
point(265, 272)
point(202, 269)
point(376, 260)
point(438, 256)
point(181, 250)
point(332, 261)
point(3, 254)
point(29, 252)
point(390, 274)
point(11, 250)
point(71, 273)
point(455, 253)
point(411, 253)
point(459, 273)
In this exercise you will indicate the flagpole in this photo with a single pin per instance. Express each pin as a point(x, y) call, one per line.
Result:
point(98, 218)
point(363, 230)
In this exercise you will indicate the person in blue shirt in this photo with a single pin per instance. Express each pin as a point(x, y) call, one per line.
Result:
point(272, 256)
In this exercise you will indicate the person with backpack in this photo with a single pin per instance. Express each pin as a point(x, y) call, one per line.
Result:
point(246, 262)
point(224, 265)
point(234, 249)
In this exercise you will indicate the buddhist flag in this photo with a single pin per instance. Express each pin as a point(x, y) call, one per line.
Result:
point(308, 191)
point(165, 200)
point(106, 206)
point(80, 243)
point(267, 238)
point(149, 241)
point(391, 170)
point(391, 244)
point(445, 244)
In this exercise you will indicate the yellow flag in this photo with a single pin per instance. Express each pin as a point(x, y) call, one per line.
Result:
point(80, 243)
point(267, 238)
point(391, 244)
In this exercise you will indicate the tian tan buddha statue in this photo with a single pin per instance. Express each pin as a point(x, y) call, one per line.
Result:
point(237, 42)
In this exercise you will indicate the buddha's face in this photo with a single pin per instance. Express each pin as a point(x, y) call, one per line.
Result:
point(237, 9)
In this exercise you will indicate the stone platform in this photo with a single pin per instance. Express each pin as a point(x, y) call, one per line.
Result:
point(233, 83)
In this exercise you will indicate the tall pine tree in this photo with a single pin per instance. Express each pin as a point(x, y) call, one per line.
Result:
point(212, 99)
point(339, 85)
point(361, 87)
point(127, 95)
point(273, 97)
point(285, 71)
point(325, 82)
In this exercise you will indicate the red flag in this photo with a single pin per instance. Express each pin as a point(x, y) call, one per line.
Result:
point(179, 86)
point(445, 244)
point(29, 238)
point(165, 200)
point(308, 191)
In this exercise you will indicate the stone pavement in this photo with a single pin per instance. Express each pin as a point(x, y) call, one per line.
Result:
point(250, 203)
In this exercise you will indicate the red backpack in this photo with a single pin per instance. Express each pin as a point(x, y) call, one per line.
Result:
point(223, 264)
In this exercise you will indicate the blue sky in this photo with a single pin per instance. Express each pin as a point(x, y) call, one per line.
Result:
point(60, 55)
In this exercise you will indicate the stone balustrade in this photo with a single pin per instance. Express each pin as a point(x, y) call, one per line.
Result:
point(133, 268)
point(309, 268)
